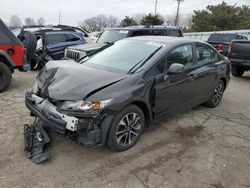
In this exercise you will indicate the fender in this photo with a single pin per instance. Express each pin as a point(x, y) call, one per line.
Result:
point(9, 60)
point(104, 127)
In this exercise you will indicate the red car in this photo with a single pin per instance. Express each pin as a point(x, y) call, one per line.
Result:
point(12, 56)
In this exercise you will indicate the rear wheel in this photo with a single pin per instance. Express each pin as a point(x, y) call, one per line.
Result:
point(215, 99)
point(5, 77)
point(237, 71)
point(126, 128)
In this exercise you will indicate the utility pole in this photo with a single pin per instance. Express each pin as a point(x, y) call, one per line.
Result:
point(156, 4)
point(176, 22)
point(59, 18)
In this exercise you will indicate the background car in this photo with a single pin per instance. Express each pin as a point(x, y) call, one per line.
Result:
point(221, 41)
point(239, 56)
point(115, 34)
point(48, 43)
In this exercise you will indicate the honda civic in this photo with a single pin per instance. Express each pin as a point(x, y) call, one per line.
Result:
point(111, 96)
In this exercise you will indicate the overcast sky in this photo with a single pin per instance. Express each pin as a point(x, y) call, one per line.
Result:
point(74, 11)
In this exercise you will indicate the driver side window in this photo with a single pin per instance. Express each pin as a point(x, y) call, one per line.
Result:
point(182, 55)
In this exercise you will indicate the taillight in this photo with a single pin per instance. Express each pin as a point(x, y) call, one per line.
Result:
point(230, 48)
point(220, 48)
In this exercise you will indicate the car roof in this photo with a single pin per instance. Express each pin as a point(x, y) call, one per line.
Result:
point(142, 27)
point(164, 39)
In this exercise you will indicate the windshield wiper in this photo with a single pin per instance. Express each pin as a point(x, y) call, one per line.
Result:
point(142, 62)
point(130, 70)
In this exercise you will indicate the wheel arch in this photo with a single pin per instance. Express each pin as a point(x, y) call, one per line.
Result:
point(145, 109)
point(6, 60)
point(224, 81)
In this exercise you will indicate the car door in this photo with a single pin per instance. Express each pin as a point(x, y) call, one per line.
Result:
point(56, 43)
point(175, 93)
point(207, 63)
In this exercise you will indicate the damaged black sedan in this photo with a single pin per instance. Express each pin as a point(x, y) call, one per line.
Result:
point(111, 96)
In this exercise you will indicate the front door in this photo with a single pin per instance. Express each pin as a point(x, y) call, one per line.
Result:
point(175, 93)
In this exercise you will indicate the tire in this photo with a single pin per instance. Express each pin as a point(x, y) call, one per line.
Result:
point(216, 98)
point(29, 41)
point(124, 134)
point(5, 77)
point(237, 71)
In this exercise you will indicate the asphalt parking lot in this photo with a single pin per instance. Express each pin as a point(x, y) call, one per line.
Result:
point(200, 148)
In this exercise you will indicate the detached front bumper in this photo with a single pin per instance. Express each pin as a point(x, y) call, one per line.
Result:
point(48, 113)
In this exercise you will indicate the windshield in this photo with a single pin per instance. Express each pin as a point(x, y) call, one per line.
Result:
point(222, 37)
point(125, 55)
point(111, 36)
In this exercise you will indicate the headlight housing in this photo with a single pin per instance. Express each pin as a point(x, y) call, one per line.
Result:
point(82, 105)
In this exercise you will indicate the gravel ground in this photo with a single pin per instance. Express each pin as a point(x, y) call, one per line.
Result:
point(200, 148)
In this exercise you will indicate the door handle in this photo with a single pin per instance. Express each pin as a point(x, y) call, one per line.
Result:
point(165, 77)
point(219, 63)
point(192, 76)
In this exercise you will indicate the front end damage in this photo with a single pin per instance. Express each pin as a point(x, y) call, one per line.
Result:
point(87, 130)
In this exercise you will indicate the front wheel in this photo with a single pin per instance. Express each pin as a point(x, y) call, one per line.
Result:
point(218, 92)
point(126, 128)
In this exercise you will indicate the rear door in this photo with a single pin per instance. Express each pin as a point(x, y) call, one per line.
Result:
point(206, 71)
point(174, 93)
point(56, 42)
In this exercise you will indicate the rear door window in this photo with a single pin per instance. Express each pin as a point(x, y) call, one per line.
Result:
point(72, 37)
point(53, 38)
point(159, 32)
point(205, 54)
point(140, 33)
point(174, 32)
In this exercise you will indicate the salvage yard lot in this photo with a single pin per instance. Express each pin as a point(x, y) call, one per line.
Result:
point(200, 148)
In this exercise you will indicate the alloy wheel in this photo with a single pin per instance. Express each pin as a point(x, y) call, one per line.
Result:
point(218, 93)
point(128, 129)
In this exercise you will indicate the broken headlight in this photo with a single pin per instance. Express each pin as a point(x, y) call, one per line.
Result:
point(84, 105)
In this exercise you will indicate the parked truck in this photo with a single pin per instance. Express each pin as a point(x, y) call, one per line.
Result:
point(239, 55)
point(221, 41)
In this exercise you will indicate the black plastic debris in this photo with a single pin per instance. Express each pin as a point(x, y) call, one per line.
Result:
point(35, 139)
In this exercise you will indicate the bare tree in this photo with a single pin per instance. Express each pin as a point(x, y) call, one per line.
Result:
point(41, 21)
point(98, 23)
point(29, 21)
point(169, 19)
point(112, 21)
point(15, 21)
point(185, 21)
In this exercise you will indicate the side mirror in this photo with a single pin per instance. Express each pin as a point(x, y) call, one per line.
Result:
point(175, 68)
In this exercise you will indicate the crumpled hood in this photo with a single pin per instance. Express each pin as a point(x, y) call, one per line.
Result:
point(68, 80)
